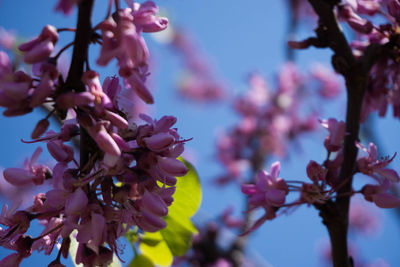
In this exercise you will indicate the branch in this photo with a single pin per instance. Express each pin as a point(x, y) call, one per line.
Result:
point(237, 248)
point(79, 56)
point(335, 214)
point(81, 46)
point(328, 29)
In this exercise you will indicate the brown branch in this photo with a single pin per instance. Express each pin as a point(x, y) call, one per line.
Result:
point(328, 29)
point(79, 56)
point(81, 46)
point(335, 214)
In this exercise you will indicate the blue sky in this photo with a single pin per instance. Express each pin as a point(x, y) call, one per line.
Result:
point(240, 36)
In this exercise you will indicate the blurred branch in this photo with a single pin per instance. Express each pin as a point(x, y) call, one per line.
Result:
point(292, 27)
point(237, 248)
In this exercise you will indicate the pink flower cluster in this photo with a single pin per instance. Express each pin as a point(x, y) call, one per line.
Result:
point(365, 18)
point(383, 85)
point(271, 119)
point(129, 176)
point(199, 81)
point(121, 39)
point(269, 191)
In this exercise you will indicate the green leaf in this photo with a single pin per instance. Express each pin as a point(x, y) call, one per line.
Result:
point(176, 238)
point(141, 261)
point(187, 197)
point(158, 251)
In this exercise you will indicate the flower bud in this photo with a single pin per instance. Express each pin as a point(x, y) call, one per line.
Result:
point(17, 176)
point(159, 142)
point(315, 171)
point(153, 203)
point(172, 166)
point(40, 128)
point(106, 142)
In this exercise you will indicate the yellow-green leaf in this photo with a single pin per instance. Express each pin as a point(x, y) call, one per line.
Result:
point(176, 238)
point(141, 261)
point(187, 197)
point(158, 252)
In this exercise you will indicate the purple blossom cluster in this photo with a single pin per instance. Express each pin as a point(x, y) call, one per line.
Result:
point(127, 176)
point(375, 22)
point(199, 81)
point(271, 119)
point(269, 191)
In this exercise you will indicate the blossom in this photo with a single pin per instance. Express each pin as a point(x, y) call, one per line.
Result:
point(329, 83)
point(315, 171)
point(66, 6)
point(371, 166)
point(31, 173)
point(364, 218)
point(269, 192)
point(378, 194)
point(145, 17)
point(394, 9)
point(359, 24)
point(41, 47)
point(47, 242)
point(336, 129)
point(7, 39)
point(12, 260)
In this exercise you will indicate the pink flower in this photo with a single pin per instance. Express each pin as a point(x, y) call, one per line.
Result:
point(356, 22)
point(15, 87)
point(269, 192)
point(105, 141)
point(159, 141)
point(136, 81)
point(364, 218)
point(315, 171)
point(18, 223)
point(7, 39)
point(40, 48)
point(66, 6)
point(229, 221)
point(92, 231)
point(165, 147)
point(59, 151)
point(337, 131)
point(12, 260)
point(49, 74)
point(329, 83)
point(48, 242)
point(145, 17)
point(365, 7)
point(76, 202)
point(378, 195)
point(393, 7)
point(375, 168)
point(171, 166)
point(32, 173)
